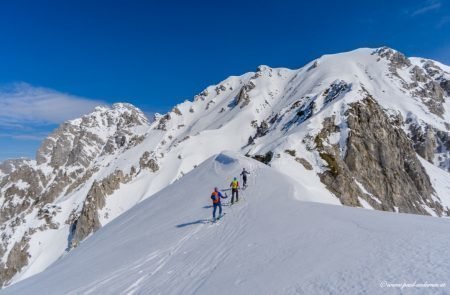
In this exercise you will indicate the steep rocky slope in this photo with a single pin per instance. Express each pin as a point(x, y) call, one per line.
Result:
point(357, 127)
point(66, 164)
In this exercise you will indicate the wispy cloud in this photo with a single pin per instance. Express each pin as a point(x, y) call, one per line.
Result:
point(444, 21)
point(24, 136)
point(428, 6)
point(28, 114)
point(22, 104)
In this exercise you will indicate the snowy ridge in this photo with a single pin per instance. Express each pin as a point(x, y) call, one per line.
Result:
point(93, 169)
point(269, 236)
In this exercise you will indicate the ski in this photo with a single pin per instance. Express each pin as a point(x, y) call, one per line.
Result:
point(212, 221)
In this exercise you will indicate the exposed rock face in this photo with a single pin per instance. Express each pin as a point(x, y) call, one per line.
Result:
point(48, 212)
point(9, 166)
point(445, 84)
point(397, 59)
point(418, 75)
point(220, 89)
point(78, 142)
point(177, 111)
point(17, 259)
point(380, 158)
point(305, 163)
point(431, 144)
point(433, 97)
point(243, 98)
point(302, 161)
point(148, 161)
point(336, 89)
point(432, 69)
point(15, 199)
point(266, 158)
point(428, 85)
point(362, 152)
point(262, 129)
point(64, 162)
point(163, 121)
point(305, 112)
point(424, 141)
point(88, 221)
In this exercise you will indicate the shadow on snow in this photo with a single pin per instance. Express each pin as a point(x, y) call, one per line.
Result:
point(200, 221)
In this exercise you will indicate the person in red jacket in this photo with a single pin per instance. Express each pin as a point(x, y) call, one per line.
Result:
point(216, 196)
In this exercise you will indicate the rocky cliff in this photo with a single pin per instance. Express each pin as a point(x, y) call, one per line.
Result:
point(366, 128)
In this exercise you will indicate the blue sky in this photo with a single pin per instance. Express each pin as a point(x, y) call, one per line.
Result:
point(60, 58)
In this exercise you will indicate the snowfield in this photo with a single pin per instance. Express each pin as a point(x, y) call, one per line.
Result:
point(271, 242)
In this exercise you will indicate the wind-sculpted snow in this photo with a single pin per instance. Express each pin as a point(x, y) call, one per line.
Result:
point(268, 243)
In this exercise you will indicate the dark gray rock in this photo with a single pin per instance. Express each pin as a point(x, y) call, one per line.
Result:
point(336, 89)
point(148, 161)
point(445, 85)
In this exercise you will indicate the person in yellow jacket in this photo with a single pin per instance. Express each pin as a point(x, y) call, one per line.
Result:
point(234, 190)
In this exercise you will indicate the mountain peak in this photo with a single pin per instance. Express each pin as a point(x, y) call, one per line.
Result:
point(85, 137)
point(344, 125)
point(394, 56)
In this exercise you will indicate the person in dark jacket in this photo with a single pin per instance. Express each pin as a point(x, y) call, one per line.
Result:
point(244, 176)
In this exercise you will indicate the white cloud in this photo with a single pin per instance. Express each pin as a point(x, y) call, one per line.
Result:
point(38, 136)
point(22, 104)
point(428, 6)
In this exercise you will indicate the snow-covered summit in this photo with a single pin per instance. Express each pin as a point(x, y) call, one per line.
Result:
point(88, 136)
point(367, 128)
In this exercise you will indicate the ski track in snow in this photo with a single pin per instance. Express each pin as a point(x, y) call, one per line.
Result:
point(268, 243)
point(158, 247)
point(152, 269)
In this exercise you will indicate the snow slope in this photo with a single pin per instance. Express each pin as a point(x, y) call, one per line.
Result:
point(222, 117)
point(271, 242)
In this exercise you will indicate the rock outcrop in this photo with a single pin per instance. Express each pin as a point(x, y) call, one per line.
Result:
point(380, 164)
point(64, 162)
point(88, 221)
point(320, 119)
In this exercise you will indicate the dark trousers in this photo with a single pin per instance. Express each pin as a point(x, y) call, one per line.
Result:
point(234, 191)
point(215, 207)
point(244, 178)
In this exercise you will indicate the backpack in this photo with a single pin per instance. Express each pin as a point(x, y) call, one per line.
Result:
point(215, 197)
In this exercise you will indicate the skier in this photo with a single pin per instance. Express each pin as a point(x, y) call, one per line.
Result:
point(234, 190)
point(244, 177)
point(215, 197)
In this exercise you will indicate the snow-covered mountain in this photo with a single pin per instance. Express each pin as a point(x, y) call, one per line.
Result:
point(367, 128)
point(268, 243)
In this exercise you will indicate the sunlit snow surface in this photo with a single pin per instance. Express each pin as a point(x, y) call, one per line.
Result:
point(211, 123)
point(268, 243)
